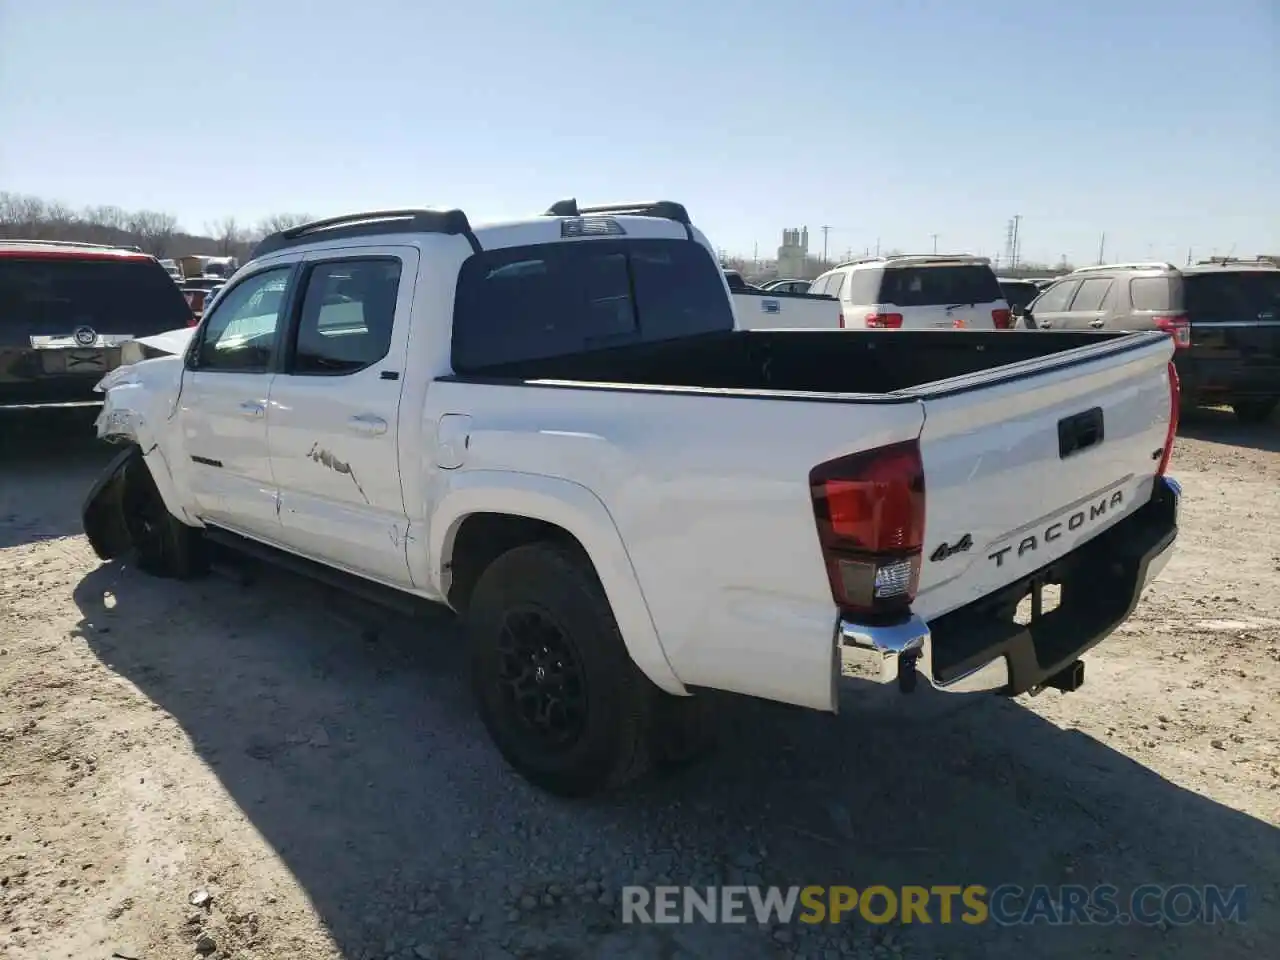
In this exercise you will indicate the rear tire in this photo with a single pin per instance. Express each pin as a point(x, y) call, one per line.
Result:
point(1255, 411)
point(553, 682)
point(162, 545)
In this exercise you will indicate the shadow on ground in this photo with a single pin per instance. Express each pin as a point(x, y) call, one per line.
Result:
point(48, 460)
point(357, 756)
point(1219, 425)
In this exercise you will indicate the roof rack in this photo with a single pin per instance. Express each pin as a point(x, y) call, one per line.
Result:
point(76, 243)
point(371, 223)
point(918, 258)
point(1136, 265)
point(665, 209)
point(1225, 261)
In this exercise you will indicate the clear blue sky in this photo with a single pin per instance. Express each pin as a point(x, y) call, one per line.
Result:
point(1158, 122)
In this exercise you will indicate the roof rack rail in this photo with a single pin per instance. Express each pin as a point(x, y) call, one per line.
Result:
point(665, 209)
point(77, 243)
point(921, 257)
point(1252, 261)
point(371, 223)
point(1136, 265)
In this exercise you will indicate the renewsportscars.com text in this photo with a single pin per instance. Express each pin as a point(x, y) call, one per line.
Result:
point(1005, 905)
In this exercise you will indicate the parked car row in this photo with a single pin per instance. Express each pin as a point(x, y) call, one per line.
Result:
point(1223, 316)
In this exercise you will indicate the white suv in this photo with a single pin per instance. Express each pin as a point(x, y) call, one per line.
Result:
point(916, 291)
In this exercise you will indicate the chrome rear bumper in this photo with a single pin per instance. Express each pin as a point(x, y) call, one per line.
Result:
point(903, 653)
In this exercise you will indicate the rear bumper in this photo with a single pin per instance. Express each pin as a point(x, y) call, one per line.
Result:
point(47, 377)
point(979, 648)
point(1221, 377)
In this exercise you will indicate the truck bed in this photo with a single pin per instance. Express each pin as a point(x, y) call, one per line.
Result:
point(809, 361)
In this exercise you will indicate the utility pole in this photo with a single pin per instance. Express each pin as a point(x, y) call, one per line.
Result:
point(934, 236)
point(877, 246)
point(1102, 247)
point(825, 230)
point(1017, 222)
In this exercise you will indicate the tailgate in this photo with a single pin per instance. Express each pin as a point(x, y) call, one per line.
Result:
point(1026, 462)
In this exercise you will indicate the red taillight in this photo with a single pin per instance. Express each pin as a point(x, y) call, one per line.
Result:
point(1002, 319)
point(842, 319)
point(1178, 328)
point(869, 508)
point(884, 321)
point(1175, 402)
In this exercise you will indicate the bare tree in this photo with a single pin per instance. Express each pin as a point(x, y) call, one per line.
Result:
point(281, 221)
point(154, 230)
point(22, 216)
point(229, 234)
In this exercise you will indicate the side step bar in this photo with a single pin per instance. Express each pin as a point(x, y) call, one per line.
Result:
point(375, 593)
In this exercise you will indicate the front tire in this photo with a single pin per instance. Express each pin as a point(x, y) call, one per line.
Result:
point(162, 545)
point(554, 684)
point(1255, 411)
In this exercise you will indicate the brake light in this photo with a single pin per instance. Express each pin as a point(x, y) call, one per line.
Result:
point(1003, 319)
point(1175, 403)
point(870, 508)
point(1178, 328)
point(884, 321)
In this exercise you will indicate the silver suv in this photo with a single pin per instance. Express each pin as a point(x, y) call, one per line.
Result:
point(1223, 314)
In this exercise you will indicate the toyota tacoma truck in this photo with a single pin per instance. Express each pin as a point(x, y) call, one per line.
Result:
point(553, 428)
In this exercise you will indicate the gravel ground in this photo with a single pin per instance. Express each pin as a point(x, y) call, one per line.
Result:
point(265, 770)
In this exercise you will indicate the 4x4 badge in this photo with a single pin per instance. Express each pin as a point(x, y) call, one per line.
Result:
point(946, 550)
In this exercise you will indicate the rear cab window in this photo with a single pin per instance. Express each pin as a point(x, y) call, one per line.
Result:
point(53, 295)
point(557, 299)
point(928, 286)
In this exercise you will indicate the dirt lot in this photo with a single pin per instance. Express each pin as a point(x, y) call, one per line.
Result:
point(269, 771)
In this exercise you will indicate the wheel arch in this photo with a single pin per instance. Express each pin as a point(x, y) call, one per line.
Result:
point(486, 513)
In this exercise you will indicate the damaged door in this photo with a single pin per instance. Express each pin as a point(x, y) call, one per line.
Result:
point(223, 408)
point(333, 424)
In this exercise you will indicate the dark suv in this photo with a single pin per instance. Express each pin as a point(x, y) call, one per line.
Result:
point(1224, 317)
point(65, 311)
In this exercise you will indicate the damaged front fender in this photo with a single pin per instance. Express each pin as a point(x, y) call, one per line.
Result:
point(103, 512)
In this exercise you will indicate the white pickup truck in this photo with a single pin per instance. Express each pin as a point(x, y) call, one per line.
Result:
point(756, 309)
point(552, 427)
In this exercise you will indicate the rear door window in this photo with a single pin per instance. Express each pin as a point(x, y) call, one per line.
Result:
point(1056, 297)
point(528, 303)
point(1089, 297)
point(928, 286)
point(54, 296)
point(836, 285)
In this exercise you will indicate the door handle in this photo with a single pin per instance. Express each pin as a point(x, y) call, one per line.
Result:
point(368, 424)
point(1096, 323)
point(252, 409)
